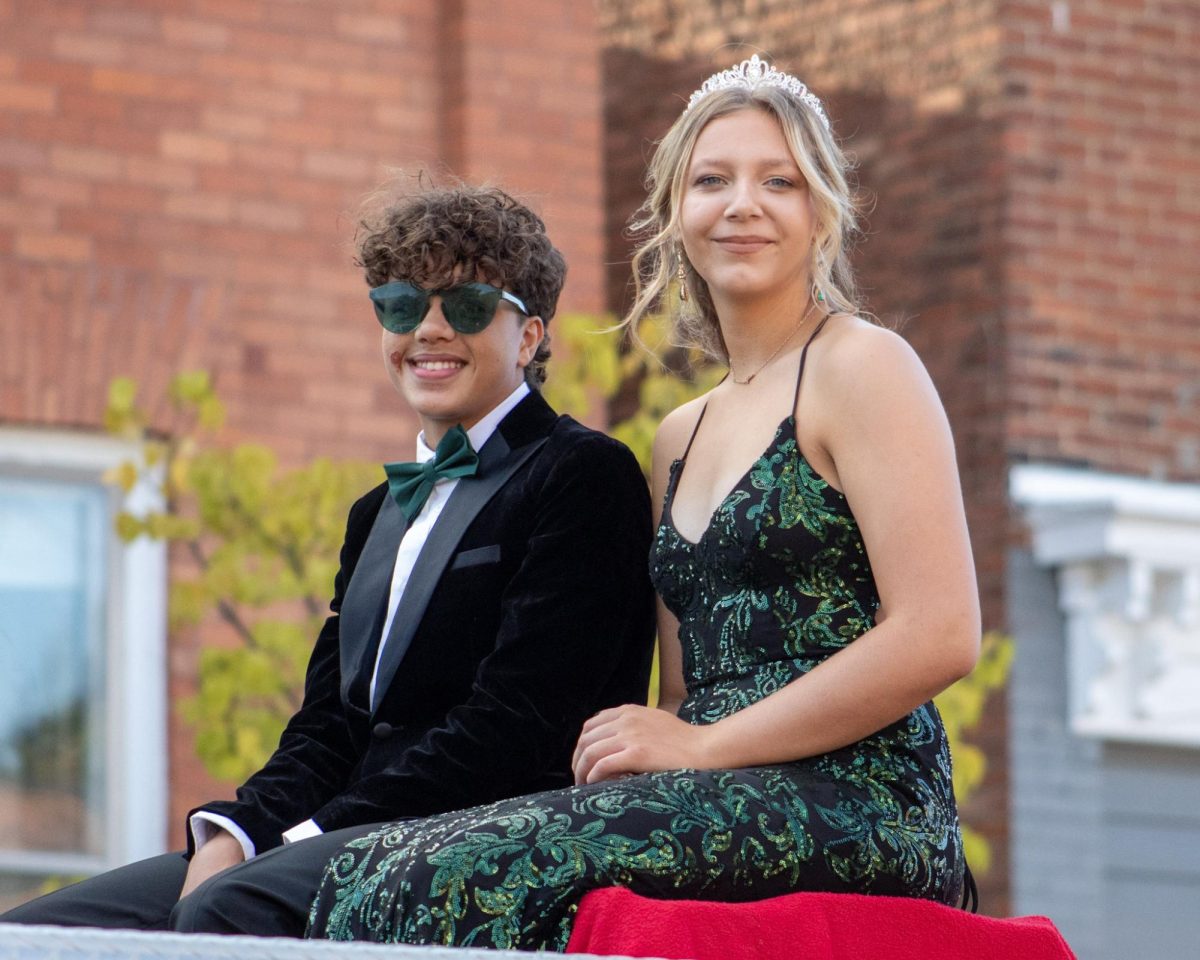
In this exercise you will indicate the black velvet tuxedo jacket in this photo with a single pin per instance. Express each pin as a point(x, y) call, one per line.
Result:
point(529, 609)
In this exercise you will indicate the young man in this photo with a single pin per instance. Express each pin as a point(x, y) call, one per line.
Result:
point(491, 596)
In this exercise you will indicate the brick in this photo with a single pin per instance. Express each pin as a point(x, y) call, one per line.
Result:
point(236, 179)
point(146, 83)
point(123, 22)
point(54, 247)
point(336, 166)
point(203, 34)
point(128, 198)
point(96, 110)
point(156, 172)
point(19, 154)
point(28, 214)
point(59, 190)
point(367, 29)
point(30, 97)
point(231, 68)
point(234, 11)
point(282, 103)
point(194, 147)
point(205, 207)
point(384, 85)
point(124, 82)
point(90, 164)
point(270, 216)
point(233, 124)
point(274, 157)
point(89, 48)
point(300, 77)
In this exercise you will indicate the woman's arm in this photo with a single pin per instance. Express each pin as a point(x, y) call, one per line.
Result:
point(877, 417)
point(877, 420)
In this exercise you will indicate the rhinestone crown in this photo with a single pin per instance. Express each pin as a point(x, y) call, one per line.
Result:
point(755, 73)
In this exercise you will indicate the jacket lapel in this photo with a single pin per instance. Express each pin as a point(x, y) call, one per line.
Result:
point(365, 602)
point(498, 461)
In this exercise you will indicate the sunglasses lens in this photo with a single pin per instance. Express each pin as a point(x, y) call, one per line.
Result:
point(400, 306)
point(470, 307)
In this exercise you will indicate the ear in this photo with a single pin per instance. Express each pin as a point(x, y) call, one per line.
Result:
point(532, 333)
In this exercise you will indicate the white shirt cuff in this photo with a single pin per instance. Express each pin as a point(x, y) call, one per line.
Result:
point(302, 831)
point(204, 825)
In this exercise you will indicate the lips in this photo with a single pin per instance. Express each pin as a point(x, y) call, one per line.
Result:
point(431, 367)
point(742, 243)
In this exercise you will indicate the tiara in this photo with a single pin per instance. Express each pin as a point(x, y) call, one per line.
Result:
point(755, 73)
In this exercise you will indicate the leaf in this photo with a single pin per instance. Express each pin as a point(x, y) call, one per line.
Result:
point(122, 395)
point(124, 475)
point(190, 387)
point(977, 850)
point(128, 527)
point(211, 413)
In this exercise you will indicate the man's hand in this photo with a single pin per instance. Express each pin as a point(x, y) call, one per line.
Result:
point(220, 852)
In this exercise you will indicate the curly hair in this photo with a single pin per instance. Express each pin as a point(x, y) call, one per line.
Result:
point(437, 232)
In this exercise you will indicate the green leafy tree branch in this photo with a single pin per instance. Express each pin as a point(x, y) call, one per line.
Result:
point(263, 545)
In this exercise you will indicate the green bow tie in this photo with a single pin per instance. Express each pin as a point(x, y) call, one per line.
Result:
point(411, 483)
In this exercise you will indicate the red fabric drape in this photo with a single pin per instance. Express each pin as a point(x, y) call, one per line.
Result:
point(805, 926)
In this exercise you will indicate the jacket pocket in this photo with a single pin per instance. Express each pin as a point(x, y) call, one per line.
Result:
point(473, 558)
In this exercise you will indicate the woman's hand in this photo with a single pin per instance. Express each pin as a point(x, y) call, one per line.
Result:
point(633, 739)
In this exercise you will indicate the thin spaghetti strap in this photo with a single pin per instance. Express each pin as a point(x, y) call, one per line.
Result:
point(695, 430)
point(803, 356)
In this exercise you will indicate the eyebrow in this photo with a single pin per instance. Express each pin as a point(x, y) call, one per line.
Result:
point(771, 163)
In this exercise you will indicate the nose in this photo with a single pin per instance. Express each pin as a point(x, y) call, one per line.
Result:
point(743, 199)
point(434, 325)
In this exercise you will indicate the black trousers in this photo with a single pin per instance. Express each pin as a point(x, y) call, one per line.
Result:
point(268, 895)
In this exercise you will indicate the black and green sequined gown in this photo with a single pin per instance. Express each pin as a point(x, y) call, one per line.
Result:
point(778, 582)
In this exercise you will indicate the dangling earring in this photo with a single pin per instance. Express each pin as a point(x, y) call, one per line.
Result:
point(681, 276)
point(820, 297)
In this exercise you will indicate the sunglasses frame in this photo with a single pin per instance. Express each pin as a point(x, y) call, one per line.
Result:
point(388, 291)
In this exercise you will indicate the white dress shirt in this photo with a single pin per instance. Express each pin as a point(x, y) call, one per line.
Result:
point(203, 824)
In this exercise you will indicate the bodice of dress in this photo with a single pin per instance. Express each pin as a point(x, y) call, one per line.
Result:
point(777, 582)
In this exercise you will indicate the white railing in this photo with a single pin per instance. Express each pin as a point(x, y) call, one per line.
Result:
point(81, 943)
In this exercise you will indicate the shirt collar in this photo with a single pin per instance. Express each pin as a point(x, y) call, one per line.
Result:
point(483, 430)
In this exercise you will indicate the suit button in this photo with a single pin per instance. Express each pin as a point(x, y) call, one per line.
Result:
point(382, 731)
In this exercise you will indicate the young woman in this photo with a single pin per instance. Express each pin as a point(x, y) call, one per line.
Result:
point(815, 579)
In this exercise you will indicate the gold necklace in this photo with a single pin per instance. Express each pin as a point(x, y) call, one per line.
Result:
point(774, 353)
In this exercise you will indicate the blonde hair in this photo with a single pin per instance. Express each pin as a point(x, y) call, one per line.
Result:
point(658, 257)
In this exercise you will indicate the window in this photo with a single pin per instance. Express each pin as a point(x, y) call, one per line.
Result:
point(82, 668)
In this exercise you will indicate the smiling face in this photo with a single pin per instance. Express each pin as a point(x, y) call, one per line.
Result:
point(746, 218)
point(449, 377)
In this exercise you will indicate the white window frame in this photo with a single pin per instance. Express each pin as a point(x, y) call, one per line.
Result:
point(136, 634)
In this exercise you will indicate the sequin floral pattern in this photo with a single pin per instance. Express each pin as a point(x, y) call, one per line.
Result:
point(778, 582)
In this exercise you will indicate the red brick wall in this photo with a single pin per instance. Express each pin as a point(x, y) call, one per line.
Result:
point(177, 186)
point(1102, 235)
point(916, 100)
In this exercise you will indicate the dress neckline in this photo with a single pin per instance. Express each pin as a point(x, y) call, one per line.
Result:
point(668, 514)
point(787, 424)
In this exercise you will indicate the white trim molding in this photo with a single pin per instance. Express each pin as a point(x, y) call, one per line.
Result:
point(136, 626)
point(1126, 552)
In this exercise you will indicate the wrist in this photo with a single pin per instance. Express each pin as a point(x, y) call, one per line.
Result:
point(709, 746)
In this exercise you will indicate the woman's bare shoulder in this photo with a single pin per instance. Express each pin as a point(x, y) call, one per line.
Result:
point(858, 342)
point(859, 359)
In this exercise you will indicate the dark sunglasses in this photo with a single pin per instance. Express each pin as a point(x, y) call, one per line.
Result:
point(468, 307)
